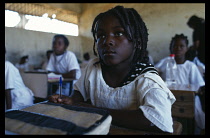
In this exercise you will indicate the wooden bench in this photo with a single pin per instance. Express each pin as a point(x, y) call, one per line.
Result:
point(115, 130)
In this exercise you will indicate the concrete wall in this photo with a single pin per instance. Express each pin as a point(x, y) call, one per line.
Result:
point(163, 22)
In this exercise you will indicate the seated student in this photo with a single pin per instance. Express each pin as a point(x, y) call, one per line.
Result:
point(17, 95)
point(191, 55)
point(45, 62)
point(119, 80)
point(188, 73)
point(23, 65)
point(63, 62)
point(86, 60)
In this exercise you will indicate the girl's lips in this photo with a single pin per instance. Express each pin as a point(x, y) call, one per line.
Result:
point(108, 53)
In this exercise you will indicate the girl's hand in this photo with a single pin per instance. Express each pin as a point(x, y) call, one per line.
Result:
point(63, 100)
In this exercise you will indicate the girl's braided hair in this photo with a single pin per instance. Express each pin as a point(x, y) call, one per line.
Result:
point(135, 29)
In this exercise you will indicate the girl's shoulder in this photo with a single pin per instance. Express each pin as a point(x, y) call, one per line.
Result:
point(189, 63)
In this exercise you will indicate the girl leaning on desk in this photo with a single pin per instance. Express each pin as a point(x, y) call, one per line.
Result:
point(120, 79)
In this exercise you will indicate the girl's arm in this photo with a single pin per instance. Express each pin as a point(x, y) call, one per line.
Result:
point(8, 98)
point(70, 74)
point(74, 99)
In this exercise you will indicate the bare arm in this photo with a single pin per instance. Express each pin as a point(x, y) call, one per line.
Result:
point(8, 98)
point(70, 74)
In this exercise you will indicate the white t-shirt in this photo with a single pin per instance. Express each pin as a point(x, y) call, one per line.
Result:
point(64, 63)
point(24, 67)
point(147, 92)
point(21, 95)
point(188, 72)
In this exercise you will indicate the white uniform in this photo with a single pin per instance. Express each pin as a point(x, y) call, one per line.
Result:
point(21, 95)
point(188, 73)
point(147, 92)
point(63, 64)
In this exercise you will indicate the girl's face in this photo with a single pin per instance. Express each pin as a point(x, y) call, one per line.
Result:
point(180, 47)
point(112, 44)
point(59, 46)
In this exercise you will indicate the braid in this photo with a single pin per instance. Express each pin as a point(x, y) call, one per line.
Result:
point(135, 30)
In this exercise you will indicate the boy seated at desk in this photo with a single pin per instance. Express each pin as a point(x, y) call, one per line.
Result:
point(63, 62)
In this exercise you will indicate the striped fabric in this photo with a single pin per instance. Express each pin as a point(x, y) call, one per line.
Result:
point(54, 119)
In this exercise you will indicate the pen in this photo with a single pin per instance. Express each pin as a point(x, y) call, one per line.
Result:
point(60, 87)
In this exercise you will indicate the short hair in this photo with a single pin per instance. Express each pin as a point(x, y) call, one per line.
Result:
point(134, 26)
point(177, 36)
point(66, 41)
point(195, 21)
point(86, 56)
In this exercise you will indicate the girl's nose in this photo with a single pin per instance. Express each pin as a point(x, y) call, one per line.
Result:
point(108, 41)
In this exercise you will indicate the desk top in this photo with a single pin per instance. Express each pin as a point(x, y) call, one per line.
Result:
point(37, 71)
point(185, 87)
point(57, 80)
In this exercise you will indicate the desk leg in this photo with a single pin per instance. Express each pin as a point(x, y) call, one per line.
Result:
point(70, 88)
point(49, 89)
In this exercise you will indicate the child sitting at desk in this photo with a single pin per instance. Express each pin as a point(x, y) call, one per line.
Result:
point(63, 62)
point(119, 80)
point(188, 72)
point(17, 95)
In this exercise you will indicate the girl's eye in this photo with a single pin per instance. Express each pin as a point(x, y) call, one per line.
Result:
point(119, 34)
point(100, 36)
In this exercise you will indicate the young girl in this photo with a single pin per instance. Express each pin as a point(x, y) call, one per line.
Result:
point(17, 95)
point(119, 80)
point(63, 62)
point(188, 73)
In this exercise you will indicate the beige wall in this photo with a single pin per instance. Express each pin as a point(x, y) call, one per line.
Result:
point(163, 22)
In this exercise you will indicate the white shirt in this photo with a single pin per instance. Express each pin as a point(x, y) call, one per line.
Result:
point(64, 63)
point(147, 92)
point(21, 95)
point(200, 65)
point(24, 67)
point(188, 72)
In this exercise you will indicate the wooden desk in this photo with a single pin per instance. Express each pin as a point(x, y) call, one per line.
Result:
point(114, 130)
point(186, 88)
point(183, 109)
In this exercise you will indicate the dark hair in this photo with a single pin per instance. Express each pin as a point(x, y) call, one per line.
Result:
point(66, 41)
point(86, 56)
point(195, 21)
point(134, 26)
point(190, 54)
point(22, 59)
point(49, 51)
point(177, 36)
